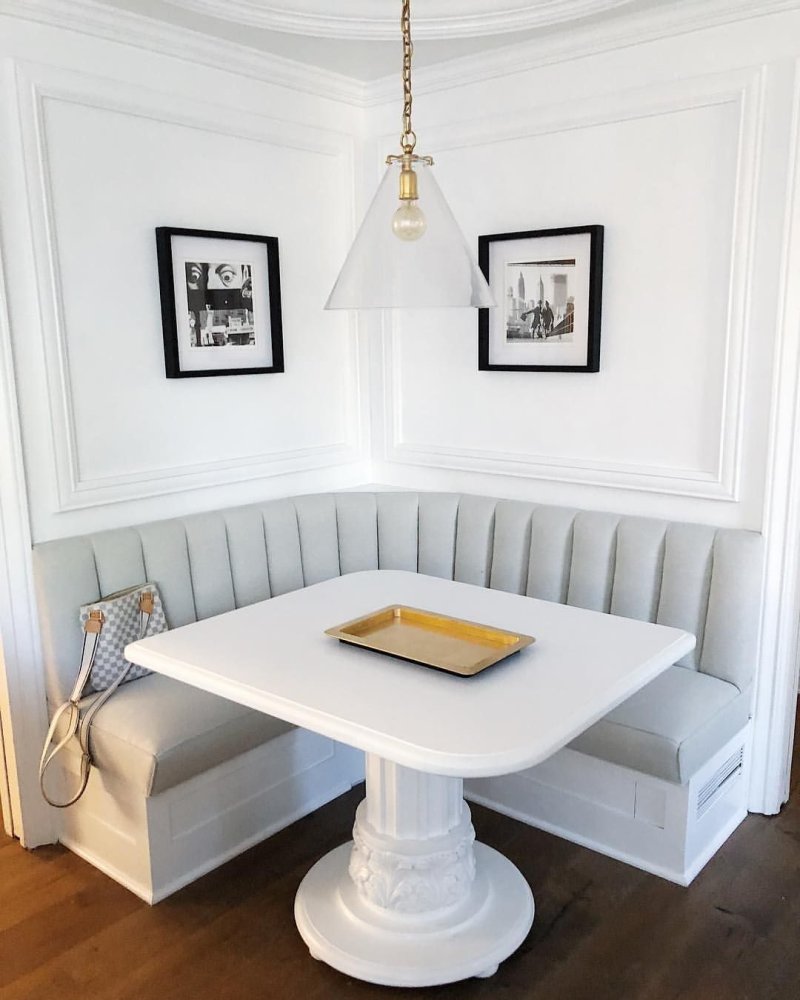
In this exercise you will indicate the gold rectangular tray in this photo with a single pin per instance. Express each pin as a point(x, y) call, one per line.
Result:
point(435, 640)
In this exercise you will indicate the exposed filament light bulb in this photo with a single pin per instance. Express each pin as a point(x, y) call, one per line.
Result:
point(408, 222)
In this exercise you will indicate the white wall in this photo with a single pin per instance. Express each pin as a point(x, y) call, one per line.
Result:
point(106, 143)
point(686, 149)
point(101, 142)
point(680, 149)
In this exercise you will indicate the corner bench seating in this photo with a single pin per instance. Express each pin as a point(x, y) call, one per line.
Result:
point(184, 780)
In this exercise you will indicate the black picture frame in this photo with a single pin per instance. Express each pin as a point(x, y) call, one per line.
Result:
point(169, 319)
point(594, 302)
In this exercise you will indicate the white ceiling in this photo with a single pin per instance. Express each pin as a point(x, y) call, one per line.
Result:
point(361, 38)
point(378, 18)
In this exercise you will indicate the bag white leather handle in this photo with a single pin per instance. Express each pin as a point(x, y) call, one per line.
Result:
point(77, 723)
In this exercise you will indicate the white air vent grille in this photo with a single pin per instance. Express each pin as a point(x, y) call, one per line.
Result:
point(712, 789)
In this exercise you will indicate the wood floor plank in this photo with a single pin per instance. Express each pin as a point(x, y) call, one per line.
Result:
point(603, 930)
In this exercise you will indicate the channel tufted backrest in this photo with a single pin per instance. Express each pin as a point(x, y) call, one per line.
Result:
point(702, 579)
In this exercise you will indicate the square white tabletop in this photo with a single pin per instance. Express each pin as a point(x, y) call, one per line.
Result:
point(274, 657)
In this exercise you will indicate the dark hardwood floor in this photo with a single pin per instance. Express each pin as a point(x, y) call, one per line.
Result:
point(603, 931)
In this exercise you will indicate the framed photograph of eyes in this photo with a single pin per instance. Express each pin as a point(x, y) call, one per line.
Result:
point(220, 303)
point(548, 286)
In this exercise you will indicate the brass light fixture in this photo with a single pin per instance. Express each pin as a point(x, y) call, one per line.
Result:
point(408, 222)
point(409, 251)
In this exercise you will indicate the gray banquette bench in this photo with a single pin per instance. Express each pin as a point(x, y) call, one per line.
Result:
point(184, 780)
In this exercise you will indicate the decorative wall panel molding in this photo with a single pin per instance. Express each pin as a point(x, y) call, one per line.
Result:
point(37, 87)
point(742, 89)
point(23, 717)
point(776, 682)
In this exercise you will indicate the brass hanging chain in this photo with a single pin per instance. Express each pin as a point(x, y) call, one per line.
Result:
point(408, 139)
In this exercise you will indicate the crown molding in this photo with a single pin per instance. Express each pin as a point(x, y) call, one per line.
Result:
point(361, 18)
point(113, 24)
point(148, 33)
point(578, 43)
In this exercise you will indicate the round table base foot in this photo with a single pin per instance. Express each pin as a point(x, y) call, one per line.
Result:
point(406, 949)
point(487, 973)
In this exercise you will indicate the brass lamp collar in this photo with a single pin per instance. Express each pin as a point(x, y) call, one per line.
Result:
point(408, 176)
point(408, 158)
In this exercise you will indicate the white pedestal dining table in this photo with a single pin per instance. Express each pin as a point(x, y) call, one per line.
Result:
point(413, 900)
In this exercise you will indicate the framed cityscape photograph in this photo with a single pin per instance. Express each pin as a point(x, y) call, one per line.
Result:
point(548, 287)
point(220, 303)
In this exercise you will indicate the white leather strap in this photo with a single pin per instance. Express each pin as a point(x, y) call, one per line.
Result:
point(79, 724)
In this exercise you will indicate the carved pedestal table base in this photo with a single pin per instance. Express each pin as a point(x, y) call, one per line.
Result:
point(413, 900)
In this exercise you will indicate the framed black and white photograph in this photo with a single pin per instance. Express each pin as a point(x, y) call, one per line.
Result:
point(548, 287)
point(220, 303)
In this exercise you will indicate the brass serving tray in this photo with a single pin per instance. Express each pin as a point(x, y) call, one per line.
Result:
point(451, 644)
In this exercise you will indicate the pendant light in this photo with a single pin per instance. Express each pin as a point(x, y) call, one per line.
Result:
point(409, 251)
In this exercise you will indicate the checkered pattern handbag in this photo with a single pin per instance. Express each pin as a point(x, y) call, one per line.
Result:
point(108, 626)
point(121, 624)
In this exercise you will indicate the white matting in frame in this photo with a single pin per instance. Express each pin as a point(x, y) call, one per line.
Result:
point(226, 265)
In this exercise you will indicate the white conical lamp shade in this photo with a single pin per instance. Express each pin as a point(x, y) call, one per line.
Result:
point(384, 272)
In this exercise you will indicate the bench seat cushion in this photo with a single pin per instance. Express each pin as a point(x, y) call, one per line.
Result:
point(154, 733)
point(671, 727)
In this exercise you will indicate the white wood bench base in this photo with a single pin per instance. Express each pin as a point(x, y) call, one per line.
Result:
point(155, 846)
point(663, 828)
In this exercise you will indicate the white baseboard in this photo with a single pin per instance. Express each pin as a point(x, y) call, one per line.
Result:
point(240, 847)
point(155, 846)
point(575, 837)
point(643, 821)
point(137, 886)
point(711, 848)
point(158, 845)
